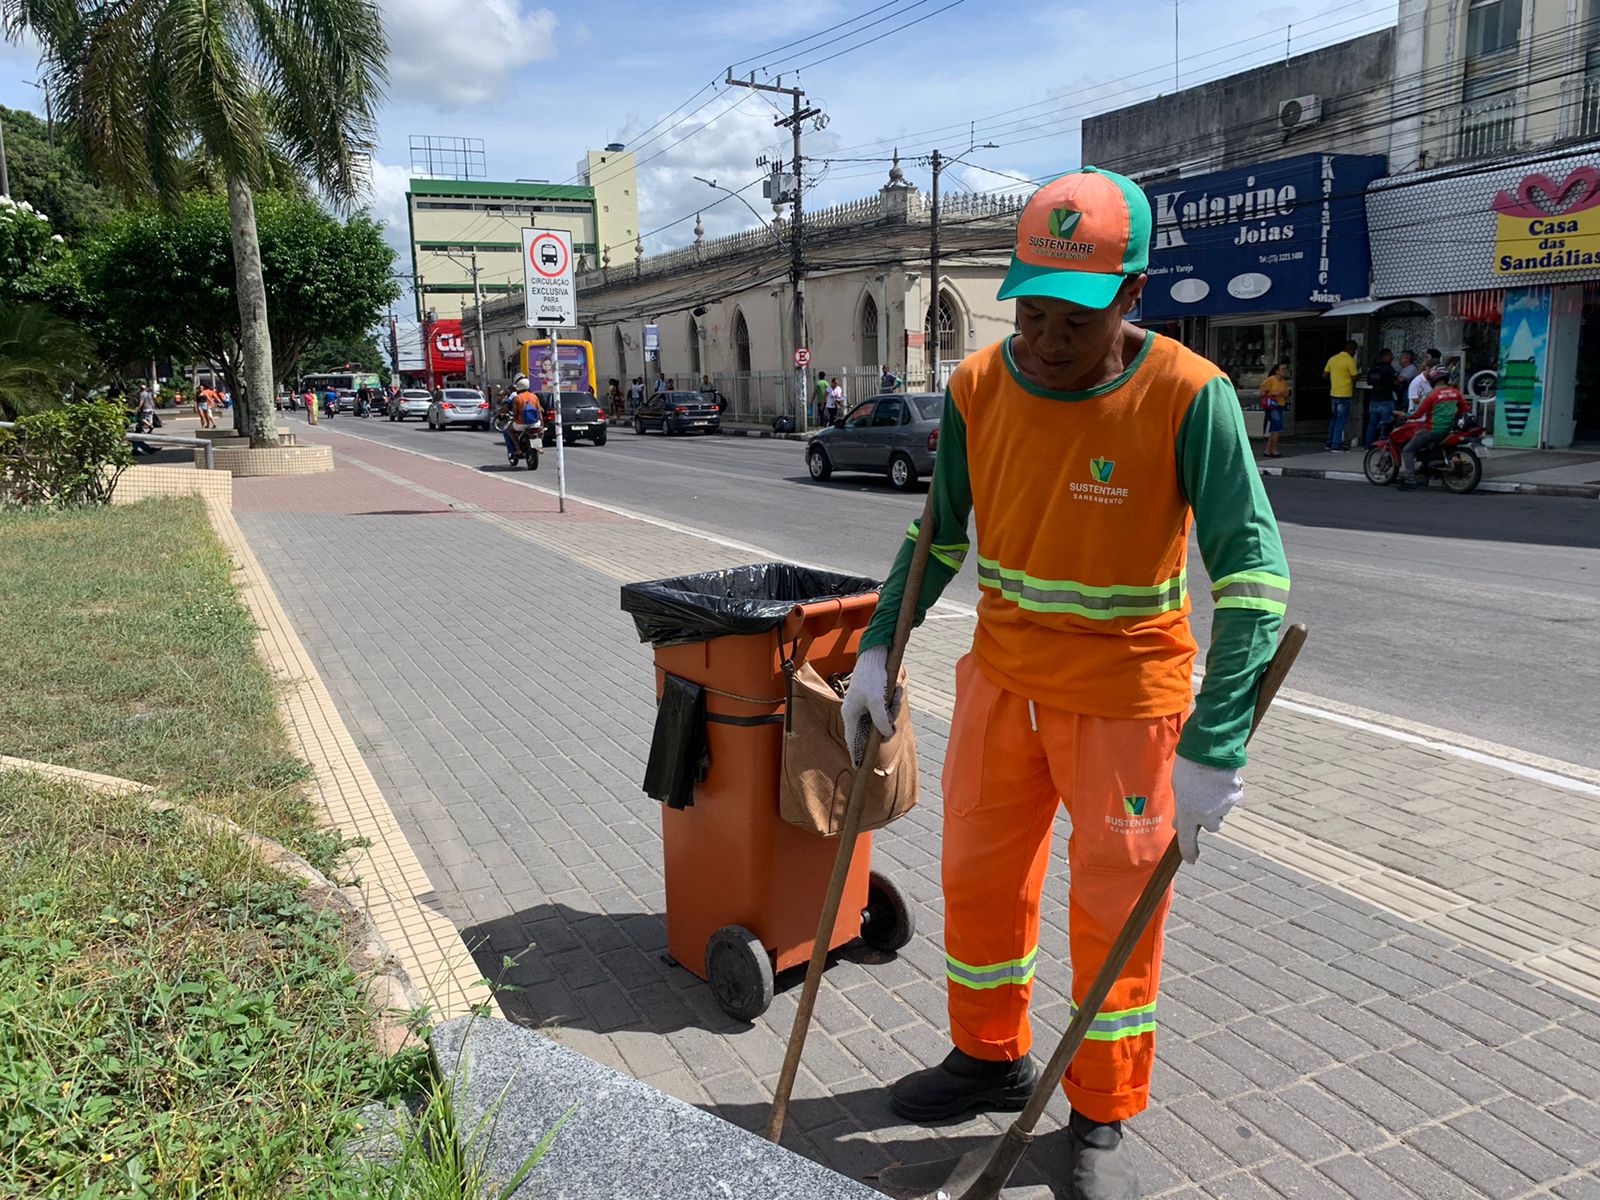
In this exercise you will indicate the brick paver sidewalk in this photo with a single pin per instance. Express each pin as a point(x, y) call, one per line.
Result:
point(1382, 983)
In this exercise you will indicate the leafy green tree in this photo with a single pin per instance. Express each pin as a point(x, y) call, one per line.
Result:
point(330, 353)
point(43, 359)
point(54, 178)
point(248, 83)
point(163, 283)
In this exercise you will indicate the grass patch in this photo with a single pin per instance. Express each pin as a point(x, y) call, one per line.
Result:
point(126, 650)
point(176, 1019)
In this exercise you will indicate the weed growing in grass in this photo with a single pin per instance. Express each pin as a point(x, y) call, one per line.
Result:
point(176, 1018)
point(126, 650)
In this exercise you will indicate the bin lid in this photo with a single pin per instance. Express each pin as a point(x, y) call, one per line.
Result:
point(732, 601)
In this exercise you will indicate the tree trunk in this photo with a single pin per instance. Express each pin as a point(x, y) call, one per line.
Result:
point(254, 398)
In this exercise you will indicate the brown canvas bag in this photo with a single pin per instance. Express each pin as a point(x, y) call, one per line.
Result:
point(817, 772)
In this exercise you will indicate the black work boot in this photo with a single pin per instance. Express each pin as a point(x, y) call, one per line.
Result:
point(961, 1084)
point(1102, 1168)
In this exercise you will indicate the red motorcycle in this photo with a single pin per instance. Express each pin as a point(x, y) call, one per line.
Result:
point(1454, 460)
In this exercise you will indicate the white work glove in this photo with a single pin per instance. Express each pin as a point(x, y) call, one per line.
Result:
point(864, 701)
point(1202, 797)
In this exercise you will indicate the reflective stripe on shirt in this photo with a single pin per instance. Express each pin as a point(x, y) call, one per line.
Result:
point(1079, 599)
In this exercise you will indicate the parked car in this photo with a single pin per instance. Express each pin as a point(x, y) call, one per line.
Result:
point(458, 406)
point(581, 417)
point(412, 402)
point(893, 435)
point(678, 412)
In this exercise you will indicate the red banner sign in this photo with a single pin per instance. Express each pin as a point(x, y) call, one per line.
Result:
point(447, 348)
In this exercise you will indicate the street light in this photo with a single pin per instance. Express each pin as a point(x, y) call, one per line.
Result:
point(712, 183)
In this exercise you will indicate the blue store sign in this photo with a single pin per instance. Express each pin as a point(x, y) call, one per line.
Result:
point(1277, 237)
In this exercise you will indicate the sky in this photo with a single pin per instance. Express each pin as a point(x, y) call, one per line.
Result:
point(541, 83)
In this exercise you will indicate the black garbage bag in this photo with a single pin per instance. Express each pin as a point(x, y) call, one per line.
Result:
point(737, 600)
point(680, 756)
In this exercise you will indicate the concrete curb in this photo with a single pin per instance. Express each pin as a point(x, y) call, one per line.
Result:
point(618, 1138)
point(1584, 491)
point(758, 431)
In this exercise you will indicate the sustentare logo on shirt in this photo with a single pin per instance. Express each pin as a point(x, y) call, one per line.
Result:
point(1099, 491)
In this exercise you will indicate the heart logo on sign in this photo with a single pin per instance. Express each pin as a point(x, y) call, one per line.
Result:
point(1538, 195)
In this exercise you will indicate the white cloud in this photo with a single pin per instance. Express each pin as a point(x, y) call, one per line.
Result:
point(460, 53)
point(723, 148)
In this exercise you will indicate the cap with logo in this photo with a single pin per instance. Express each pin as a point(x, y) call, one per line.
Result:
point(1078, 237)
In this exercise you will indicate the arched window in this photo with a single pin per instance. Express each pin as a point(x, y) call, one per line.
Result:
point(741, 343)
point(622, 357)
point(869, 332)
point(950, 339)
point(694, 350)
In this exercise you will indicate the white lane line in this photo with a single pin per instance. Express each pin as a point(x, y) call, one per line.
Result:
point(1524, 764)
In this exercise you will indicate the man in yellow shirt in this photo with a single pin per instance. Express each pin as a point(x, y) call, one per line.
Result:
point(1341, 372)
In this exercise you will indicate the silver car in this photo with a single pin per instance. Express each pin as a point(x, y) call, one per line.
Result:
point(893, 434)
point(458, 406)
point(412, 402)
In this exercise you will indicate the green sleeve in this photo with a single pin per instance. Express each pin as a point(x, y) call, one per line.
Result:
point(952, 506)
point(1243, 553)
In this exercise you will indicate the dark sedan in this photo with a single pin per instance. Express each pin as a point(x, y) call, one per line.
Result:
point(678, 412)
point(892, 435)
point(581, 417)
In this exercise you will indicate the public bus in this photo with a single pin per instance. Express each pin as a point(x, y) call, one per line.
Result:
point(577, 364)
point(346, 383)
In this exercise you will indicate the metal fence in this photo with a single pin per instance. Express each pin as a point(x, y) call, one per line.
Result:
point(1589, 108)
point(1487, 126)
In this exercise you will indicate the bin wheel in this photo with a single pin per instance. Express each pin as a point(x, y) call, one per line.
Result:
point(740, 972)
point(887, 923)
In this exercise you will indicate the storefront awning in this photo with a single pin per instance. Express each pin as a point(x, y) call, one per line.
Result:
point(1361, 308)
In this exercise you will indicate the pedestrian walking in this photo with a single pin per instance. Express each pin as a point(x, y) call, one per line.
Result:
point(1065, 698)
point(635, 394)
point(1341, 371)
point(1383, 382)
point(614, 398)
point(204, 401)
point(835, 401)
point(1274, 401)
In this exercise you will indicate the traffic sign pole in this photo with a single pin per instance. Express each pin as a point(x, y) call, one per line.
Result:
point(551, 298)
point(561, 441)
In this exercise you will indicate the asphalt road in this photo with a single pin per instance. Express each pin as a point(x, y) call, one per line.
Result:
point(1478, 614)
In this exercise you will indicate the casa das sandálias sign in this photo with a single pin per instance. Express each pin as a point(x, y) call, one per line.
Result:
point(1548, 225)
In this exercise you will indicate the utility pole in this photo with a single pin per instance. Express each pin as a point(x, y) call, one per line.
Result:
point(5, 178)
point(930, 336)
point(800, 113)
point(930, 339)
point(477, 295)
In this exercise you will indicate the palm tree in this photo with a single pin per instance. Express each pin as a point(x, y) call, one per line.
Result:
point(247, 84)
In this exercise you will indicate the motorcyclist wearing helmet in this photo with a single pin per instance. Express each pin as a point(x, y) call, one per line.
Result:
point(1440, 408)
point(526, 414)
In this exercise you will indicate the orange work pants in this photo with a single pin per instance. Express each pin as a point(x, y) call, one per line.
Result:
point(1008, 766)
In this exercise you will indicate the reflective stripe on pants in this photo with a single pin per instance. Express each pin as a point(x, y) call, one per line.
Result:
point(1003, 782)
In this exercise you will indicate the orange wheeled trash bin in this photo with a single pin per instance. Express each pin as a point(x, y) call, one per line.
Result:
point(745, 888)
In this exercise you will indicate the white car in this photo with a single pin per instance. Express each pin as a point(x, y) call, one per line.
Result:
point(458, 406)
point(412, 402)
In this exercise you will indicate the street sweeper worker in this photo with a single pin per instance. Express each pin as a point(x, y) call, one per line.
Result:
point(1084, 446)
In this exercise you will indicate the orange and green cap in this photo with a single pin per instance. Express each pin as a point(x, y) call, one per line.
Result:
point(1078, 237)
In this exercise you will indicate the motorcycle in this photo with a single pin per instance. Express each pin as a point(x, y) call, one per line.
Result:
point(529, 439)
point(1454, 461)
point(330, 408)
